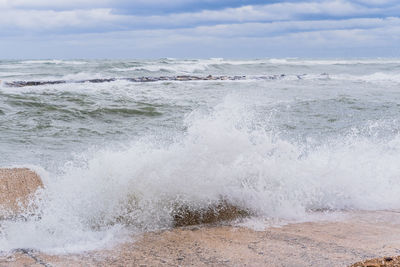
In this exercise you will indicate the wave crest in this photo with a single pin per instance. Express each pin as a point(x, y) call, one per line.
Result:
point(224, 164)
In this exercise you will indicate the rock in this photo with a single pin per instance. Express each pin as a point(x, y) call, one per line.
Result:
point(17, 185)
point(339, 242)
point(100, 80)
point(32, 83)
point(219, 212)
point(180, 78)
point(379, 262)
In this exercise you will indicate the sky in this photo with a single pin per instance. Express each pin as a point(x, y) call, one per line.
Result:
point(199, 28)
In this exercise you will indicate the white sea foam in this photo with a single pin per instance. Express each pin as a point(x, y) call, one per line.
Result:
point(99, 196)
point(7, 73)
point(377, 77)
point(188, 66)
point(83, 76)
point(294, 61)
point(178, 68)
point(193, 66)
point(54, 61)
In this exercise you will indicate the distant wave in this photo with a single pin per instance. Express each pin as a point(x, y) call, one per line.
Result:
point(331, 61)
point(54, 61)
point(87, 78)
point(374, 77)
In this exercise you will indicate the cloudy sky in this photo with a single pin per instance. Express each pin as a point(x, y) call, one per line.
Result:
point(199, 28)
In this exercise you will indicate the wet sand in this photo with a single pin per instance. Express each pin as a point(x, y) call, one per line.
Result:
point(356, 237)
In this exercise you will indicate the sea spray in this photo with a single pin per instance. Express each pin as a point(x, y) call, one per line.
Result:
point(224, 154)
point(124, 157)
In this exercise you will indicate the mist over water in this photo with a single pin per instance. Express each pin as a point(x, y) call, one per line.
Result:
point(120, 157)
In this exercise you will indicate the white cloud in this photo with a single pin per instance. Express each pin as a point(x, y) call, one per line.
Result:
point(47, 19)
point(270, 12)
point(381, 41)
point(377, 2)
point(80, 4)
point(343, 33)
point(49, 4)
point(286, 26)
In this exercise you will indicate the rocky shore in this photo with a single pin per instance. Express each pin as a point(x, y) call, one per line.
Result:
point(349, 237)
point(357, 237)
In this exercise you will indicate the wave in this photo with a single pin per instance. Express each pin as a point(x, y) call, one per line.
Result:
point(54, 61)
point(294, 61)
point(187, 66)
point(86, 78)
point(377, 77)
point(173, 68)
point(146, 111)
point(223, 156)
point(12, 74)
point(83, 76)
point(291, 61)
point(34, 106)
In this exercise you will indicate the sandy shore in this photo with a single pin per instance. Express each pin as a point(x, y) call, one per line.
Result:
point(356, 237)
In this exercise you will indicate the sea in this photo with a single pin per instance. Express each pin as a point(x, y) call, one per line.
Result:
point(290, 139)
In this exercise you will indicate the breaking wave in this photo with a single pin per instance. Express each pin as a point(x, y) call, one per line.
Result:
point(225, 155)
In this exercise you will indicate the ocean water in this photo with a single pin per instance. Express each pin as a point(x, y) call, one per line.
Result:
point(118, 157)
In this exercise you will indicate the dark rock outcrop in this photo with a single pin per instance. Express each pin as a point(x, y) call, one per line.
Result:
point(180, 78)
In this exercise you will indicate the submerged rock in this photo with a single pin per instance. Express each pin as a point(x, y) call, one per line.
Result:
point(17, 186)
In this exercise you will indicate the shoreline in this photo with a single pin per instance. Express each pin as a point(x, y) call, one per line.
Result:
point(358, 237)
point(354, 236)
